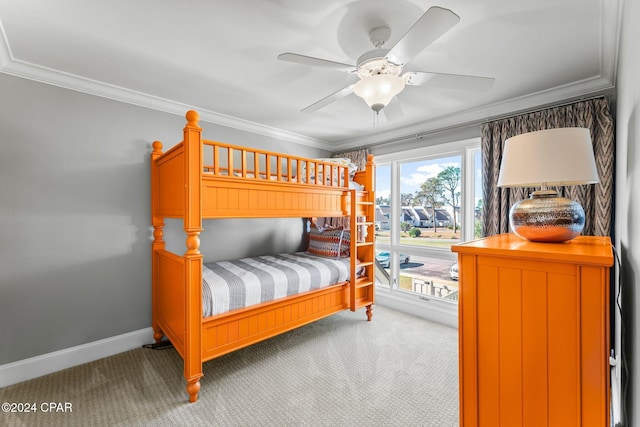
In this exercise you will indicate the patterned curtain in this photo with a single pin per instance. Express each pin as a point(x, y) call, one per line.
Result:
point(597, 200)
point(359, 157)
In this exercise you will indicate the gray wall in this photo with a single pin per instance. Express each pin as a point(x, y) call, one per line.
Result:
point(74, 215)
point(628, 203)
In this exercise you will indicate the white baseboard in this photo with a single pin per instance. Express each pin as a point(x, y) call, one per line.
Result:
point(432, 309)
point(23, 370)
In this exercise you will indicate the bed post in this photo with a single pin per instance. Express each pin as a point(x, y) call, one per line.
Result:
point(193, 258)
point(158, 243)
point(370, 179)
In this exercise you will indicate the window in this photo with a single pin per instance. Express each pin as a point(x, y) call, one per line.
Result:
point(383, 209)
point(477, 194)
point(430, 201)
point(426, 201)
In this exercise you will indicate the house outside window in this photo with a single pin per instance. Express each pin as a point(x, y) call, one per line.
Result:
point(426, 201)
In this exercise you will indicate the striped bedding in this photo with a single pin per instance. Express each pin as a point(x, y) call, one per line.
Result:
point(230, 285)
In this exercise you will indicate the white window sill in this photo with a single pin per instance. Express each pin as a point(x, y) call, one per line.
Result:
point(443, 312)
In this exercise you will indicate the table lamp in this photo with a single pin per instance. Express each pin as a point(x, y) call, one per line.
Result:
point(546, 158)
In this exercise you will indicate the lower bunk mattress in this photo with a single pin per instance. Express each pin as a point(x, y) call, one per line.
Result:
point(231, 285)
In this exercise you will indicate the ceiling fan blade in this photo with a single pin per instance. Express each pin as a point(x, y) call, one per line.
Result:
point(393, 111)
point(329, 99)
point(316, 62)
point(434, 23)
point(450, 81)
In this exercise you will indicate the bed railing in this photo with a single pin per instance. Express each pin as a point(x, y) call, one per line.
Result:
point(233, 161)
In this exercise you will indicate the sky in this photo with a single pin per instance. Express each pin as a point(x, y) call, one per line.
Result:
point(415, 173)
point(412, 174)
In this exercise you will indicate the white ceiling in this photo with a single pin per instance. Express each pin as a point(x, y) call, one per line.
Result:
point(220, 58)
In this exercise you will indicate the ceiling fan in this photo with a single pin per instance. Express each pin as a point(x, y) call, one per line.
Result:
point(380, 69)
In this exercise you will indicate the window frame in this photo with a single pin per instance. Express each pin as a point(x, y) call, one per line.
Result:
point(439, 309)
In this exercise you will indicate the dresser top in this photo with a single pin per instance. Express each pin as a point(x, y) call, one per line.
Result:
point(595, 250)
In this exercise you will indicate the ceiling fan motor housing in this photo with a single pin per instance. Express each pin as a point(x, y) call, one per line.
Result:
point(375, 62)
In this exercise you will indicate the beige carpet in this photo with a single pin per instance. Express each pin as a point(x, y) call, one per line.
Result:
point(397, 370)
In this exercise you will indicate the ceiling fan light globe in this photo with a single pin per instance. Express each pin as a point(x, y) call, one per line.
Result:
point(378, 90)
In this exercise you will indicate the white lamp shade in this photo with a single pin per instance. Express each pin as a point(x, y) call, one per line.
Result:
point(378, 90)
point(553, 157)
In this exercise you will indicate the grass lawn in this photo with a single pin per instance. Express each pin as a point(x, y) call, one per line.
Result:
point(443, 237)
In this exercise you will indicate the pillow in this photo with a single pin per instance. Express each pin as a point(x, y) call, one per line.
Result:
point(341, 161)
point(352, 167)
point(332, 243)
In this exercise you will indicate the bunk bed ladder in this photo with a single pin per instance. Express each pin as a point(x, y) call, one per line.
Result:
point(362, 250)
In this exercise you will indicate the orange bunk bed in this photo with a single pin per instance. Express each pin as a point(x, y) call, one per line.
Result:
point(199, 179)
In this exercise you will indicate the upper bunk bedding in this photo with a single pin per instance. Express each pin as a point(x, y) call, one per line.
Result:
point(230, 285)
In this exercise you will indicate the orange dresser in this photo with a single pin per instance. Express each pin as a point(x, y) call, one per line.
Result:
point(534, 332)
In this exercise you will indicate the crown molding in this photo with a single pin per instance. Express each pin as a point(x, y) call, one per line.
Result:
point(611, 12)
point(10, 65)
point(104, 90)
point(604, 83)
point(5, 51)
point(562, 94)
point(45, 75)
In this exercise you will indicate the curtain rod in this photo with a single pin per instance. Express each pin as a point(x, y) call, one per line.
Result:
point(421, 135)
point(548, 107)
